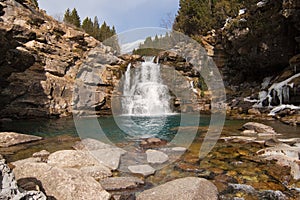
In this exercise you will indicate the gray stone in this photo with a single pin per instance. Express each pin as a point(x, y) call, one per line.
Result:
point(63, 184)
point(190, 188)
point(144, 170)
point(108, 157)
point(154, 156)
point(106, 154)
point(120, 183)
point(8, 139)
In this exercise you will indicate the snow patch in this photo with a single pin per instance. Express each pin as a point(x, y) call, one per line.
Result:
point(282, 107)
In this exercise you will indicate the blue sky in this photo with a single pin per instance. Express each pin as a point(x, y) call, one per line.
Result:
point(123, 14)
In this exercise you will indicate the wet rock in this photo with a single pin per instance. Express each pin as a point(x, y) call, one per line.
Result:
point(238, 139)
point(154, 156)
point(153, 142)
point(241, 187)
point(179, 149)
point(121, 183)
point(189, 167)
point(254, 111)
point(8, 139)
point(272, 142)
point(65, 184)
point(249, 132)
point(144, 170)
point(285, 155)
point(43, 154)
point(9, 188)
point(270, 194)
point(189, 188)
point(258, 127)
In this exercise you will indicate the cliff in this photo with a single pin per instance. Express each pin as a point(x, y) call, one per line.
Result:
point(40, 59)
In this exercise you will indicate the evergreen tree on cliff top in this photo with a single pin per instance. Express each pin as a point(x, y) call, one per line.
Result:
point(199, 16)
point(72, 17)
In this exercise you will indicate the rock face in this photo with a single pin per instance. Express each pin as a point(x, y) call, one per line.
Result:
point(189, 188)
point(9, 188)
point(8, 139)
point(254, 46)
point(40, 60)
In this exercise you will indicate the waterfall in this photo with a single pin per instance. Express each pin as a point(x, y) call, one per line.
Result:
point(144, 92)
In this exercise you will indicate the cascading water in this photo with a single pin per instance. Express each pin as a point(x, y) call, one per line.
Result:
point(144, 92)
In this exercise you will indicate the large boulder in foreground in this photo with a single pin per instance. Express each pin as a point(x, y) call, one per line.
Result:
point(8, 139)
point(190, 188)
point(62, 184)
point(9, 188)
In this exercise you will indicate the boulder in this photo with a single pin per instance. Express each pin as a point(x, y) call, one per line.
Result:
point(64, 184)
point(106, 154)
point(98, 172)
point(9, 188)
point(154, 156)
point(144, 170)
point(71, 158)
point(121, 183)
point(259, 128)
point(8, 139)
point(190, 188)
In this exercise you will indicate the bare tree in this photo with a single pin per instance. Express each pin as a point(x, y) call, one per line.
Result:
point(167, 21)
point(58, 16)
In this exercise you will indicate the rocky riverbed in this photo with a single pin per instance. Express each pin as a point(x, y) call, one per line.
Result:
point(254, 162)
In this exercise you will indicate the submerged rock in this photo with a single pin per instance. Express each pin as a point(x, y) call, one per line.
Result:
point(121, 183)
point(190, 188)
point(153, 142)
point(8, 139)
point(285, 155)
point(144, 170)
point(154, 156)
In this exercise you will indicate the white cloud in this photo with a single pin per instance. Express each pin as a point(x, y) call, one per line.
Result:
point(128, 47)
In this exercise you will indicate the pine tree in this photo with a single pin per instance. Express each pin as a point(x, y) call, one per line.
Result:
point(67, 16)
point(87, 26)
point(75, 19)
point(96, 28)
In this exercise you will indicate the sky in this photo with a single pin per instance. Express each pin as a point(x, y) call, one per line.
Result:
point(125, 15)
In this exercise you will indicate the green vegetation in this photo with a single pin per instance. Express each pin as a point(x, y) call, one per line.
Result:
point(35, 3)
point(197, 17)
point(93, 28)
